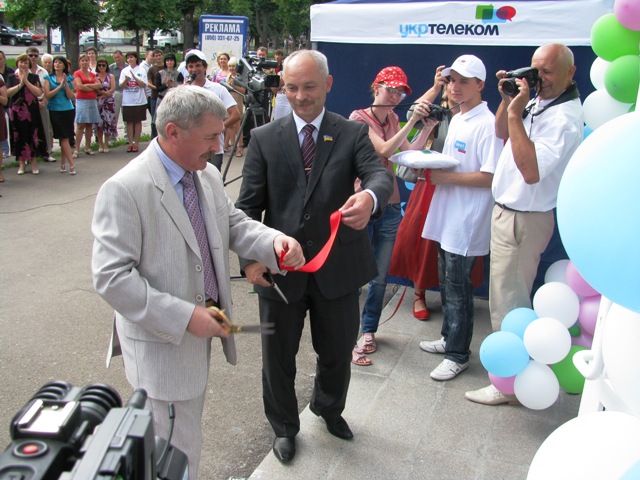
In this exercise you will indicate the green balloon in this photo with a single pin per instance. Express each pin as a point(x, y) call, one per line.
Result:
point(622, 78)
point(570, 379)
point(632, 108)
point(610, 40)
point(574, 331)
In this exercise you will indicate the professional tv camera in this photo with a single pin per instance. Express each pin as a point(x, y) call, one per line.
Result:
point(252, 75)
point(70, 433)
point(529, 74)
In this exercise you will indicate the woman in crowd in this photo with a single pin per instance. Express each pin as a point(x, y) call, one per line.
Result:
point(4, 99)
point(222, 72)
point(167, 78)
point(27, 135)
point(58, 88)
point(389, 88)
point(133, 80)
point(86, 85)
point(108, 126)
point(232, 130)
point(92, 53)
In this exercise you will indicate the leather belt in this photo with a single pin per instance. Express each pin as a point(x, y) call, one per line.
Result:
point(504, 207)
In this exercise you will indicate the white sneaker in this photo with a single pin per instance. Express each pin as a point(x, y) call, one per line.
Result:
point(490, 395)
point(436, 346)
point(448, 369)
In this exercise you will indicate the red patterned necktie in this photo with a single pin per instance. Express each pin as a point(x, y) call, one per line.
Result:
point(191, 204)
point(308, 148)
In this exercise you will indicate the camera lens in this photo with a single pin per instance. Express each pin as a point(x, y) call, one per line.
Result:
point(509, 87)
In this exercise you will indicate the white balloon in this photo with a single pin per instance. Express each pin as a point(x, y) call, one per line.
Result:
point(547, 340)
point(557, 272)
point(536, 387)
point(598, 69)
point(557, 300)
point(621, 354)
point(592, 446)
point(600, 107)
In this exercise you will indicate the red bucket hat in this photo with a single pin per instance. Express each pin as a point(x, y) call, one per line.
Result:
point(393, 77)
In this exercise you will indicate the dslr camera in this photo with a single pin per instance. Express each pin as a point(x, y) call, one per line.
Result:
point(69, 433)
point(529, 74)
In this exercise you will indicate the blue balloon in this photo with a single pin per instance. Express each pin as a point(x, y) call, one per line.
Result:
point(633, 473)
point(517, 320)
point(587, 131)
point(504, 354)
point(597, 220)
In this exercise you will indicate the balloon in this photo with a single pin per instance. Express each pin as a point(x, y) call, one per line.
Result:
point(505, 385)
point(517, 320)
point(503, 354)
point(588, 315)
point(587, 131)
point(600, 107)
point(574, 331)
point(621, 354)
point(623, 78)
point(598, 69)
point(577, 283)
point(583, 340)
point(627, 12)
point(557, 272)
point(633, 473)
point(570, 379)
point(557, 300)
point(592, 446)
point(599, 231)
point(610, 40)
point(536, 387)
point(547, 340)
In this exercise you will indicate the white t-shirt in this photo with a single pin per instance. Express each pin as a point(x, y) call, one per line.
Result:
point(132, 93)
point(224, 95)
point(459, 217)
point(556, 133)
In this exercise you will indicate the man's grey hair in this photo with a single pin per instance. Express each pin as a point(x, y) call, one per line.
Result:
point(186, 106)
point(47, 56)
point(319, 58)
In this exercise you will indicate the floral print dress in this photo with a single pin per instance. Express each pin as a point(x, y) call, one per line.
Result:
point(107, 109)
point(27, 135)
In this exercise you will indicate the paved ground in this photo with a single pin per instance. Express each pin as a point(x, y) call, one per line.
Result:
point(54, 326)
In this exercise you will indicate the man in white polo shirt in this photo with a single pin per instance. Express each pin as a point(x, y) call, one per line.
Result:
point(543, 133)
point(197, 75)
point(460, 213)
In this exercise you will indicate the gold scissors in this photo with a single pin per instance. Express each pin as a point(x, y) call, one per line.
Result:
point(231, 328)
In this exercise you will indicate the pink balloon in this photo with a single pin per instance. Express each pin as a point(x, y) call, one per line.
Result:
point(505, 385)
point(579, 284)
point(589, 314)
point(627, 12)
point(583, 340)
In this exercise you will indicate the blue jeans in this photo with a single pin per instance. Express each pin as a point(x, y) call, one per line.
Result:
point(456, 292)
point(382, 232)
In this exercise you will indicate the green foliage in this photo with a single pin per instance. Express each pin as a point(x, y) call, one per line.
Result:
point(143, 16)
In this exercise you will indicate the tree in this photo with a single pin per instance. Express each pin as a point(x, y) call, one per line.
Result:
point(71, 16)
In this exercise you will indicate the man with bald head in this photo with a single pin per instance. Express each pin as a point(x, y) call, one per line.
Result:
point(542, 134)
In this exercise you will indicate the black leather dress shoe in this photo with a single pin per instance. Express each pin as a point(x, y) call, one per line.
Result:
point(337, 426)
point(284, 448)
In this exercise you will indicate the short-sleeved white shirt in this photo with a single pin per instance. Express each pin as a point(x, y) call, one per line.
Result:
point(224, 95)
point(132, 93)
point(556, 134)
point(459, 217)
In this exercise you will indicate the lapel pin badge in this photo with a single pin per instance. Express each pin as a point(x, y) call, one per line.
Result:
point(327, 138)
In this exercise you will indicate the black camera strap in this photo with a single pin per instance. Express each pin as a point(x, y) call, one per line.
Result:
point(570, 93)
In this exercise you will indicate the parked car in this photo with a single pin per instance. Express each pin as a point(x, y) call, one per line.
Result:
point(38, 38)
point(87, 41)
point(11, 36)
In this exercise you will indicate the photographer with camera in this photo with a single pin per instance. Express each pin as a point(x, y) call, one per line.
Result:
point(196, 63)
point(459, 214)
point(542, 135)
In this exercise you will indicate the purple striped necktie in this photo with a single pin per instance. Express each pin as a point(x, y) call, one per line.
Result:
point(308, 148)
point(191, 204)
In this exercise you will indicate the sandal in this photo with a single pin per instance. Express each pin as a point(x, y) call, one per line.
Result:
point(134, 148)
point(420, 314)
point(239, 152)
point(369, 345)
point(75, 154)
point(89, 152)
point(359, 358)
point(72, 171)
point(129, 148)
point(63, 169)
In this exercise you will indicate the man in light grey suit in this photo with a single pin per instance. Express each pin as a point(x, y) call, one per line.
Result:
point(147, 261)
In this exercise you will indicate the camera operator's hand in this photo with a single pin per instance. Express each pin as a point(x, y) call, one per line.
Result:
point(519, 102)
point(203, 323)
point(439, 81)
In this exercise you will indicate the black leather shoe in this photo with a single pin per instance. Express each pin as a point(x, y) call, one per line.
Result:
point(284, 448)
point(337, 426)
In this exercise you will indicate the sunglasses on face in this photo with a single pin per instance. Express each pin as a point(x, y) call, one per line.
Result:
point(395, 91)
point(34, 55)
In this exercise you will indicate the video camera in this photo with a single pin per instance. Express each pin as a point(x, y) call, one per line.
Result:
point(70, 433)
point(252, 75)
point(529, 74)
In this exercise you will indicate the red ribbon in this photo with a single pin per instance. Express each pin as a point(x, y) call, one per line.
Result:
point(315, 264)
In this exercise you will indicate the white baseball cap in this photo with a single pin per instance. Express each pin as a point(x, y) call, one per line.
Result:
point(195, 53)
point(468, 66)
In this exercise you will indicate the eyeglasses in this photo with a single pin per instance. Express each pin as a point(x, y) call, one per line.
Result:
point(395, 91)
point(34, 55)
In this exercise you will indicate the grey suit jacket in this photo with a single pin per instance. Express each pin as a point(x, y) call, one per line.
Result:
point(146, 265)
point(274, 183)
